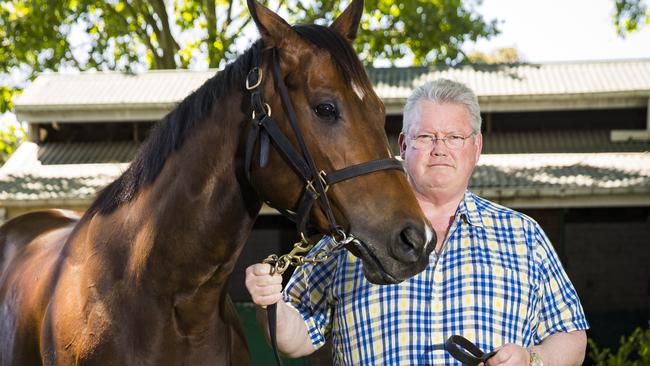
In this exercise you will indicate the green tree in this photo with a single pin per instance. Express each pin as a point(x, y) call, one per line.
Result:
point(11, 135)
point(630, 15)
point(39, 35)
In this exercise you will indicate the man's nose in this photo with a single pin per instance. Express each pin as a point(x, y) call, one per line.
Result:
point(438, 147)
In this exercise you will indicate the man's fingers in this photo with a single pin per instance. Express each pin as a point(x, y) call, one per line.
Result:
point(265, 289)
point(267, 300)
point(268, 290)
point(260, 269)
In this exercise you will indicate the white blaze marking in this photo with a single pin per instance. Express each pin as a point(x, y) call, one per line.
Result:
point(357, 90)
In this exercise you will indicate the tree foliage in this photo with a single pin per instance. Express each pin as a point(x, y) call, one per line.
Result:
point(630, 15)
point(39, 35)
point(11, 135)
point(633, 351)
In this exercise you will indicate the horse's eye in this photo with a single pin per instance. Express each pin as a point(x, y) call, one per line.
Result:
point(326, 111)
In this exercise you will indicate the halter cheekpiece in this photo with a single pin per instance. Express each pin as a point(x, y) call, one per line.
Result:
point(264, 129)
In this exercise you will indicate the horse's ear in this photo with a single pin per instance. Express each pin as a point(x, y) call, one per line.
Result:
point(274, 30)
point(347, 23)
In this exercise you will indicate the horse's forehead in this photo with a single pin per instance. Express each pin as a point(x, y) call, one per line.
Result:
point(322, 73)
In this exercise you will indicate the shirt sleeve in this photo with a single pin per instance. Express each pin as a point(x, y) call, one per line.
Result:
point(308, 291)
point(560, 309)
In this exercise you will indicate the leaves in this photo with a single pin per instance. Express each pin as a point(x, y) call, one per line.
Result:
point(134, 34)
point(127, 35)
point(11, 135)
point(430, 31)
point(630, 15)
point(633, 351)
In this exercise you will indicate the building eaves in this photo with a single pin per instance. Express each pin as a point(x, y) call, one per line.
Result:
point(517, 87)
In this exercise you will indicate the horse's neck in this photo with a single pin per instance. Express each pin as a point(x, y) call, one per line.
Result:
point(184, 232)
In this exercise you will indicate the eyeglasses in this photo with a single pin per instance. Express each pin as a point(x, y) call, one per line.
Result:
point(452, 141)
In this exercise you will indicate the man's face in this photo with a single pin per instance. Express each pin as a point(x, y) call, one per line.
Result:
point(439, 169)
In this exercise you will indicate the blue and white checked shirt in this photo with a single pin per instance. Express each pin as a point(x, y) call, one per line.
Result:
point(498, 280)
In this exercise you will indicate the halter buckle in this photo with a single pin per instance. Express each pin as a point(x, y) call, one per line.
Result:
point(322, 176)
point(257, 73)
point(267, 111)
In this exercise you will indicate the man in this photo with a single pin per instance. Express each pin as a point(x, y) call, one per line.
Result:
point(494, 278)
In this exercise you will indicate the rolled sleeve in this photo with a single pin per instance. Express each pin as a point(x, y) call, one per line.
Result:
point(560, 308)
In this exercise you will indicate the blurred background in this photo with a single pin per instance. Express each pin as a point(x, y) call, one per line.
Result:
point(564, 87)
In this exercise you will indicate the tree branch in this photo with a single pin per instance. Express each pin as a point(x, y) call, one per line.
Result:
point(144, 36)
point(211, 25)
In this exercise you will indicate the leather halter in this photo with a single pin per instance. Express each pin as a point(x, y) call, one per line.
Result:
point(264, 128)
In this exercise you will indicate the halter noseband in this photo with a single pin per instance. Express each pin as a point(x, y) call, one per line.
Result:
point(264, 128)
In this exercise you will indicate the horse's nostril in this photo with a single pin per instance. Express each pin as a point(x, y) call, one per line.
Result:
point(409, 245)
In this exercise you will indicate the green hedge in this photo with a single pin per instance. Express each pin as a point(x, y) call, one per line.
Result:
point(633, 351)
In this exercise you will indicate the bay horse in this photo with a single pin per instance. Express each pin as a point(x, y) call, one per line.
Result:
point(140, 278)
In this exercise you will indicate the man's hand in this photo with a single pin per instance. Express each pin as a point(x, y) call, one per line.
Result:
point(265, 289)
point(510, 355)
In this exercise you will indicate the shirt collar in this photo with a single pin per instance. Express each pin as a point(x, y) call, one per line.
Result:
point(468, 210)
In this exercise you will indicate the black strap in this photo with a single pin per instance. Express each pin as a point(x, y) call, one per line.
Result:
point(361, 169)
point(293, 119)
point(271, 316)
point(250, 145)
point(465, 351)
point(283, 143)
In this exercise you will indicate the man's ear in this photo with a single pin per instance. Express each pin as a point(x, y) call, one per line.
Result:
point(479, 145)
point(401, 140)
point(274, 30)
point(347, 23)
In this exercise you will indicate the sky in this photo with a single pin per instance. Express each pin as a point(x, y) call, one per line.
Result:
point(561, 30)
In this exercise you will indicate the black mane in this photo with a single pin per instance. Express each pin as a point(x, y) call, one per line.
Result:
point(170, 132)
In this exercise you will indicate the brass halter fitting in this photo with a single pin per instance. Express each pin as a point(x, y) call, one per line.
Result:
point(295, 257)
point(267, 107)
point(257, 82)
point(310, 183)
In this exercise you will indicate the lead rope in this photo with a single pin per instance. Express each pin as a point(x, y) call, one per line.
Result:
point(279, 264)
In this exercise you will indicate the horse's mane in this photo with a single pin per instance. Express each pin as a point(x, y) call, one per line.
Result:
point(171, 131)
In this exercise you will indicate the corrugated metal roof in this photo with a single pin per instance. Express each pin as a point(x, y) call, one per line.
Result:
point(614, 171)
point(152, 87)
point(33, 187)
point(87, 152)
point(171, 86)
point(523, 79)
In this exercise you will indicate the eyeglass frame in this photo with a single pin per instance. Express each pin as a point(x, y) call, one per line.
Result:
point(435, 139)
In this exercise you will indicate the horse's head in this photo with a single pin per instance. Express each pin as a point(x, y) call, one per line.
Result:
point(341, 124)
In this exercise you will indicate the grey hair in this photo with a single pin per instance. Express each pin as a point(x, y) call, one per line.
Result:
point(443, 91)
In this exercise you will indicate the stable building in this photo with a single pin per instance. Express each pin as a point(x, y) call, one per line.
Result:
point(567, 143)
